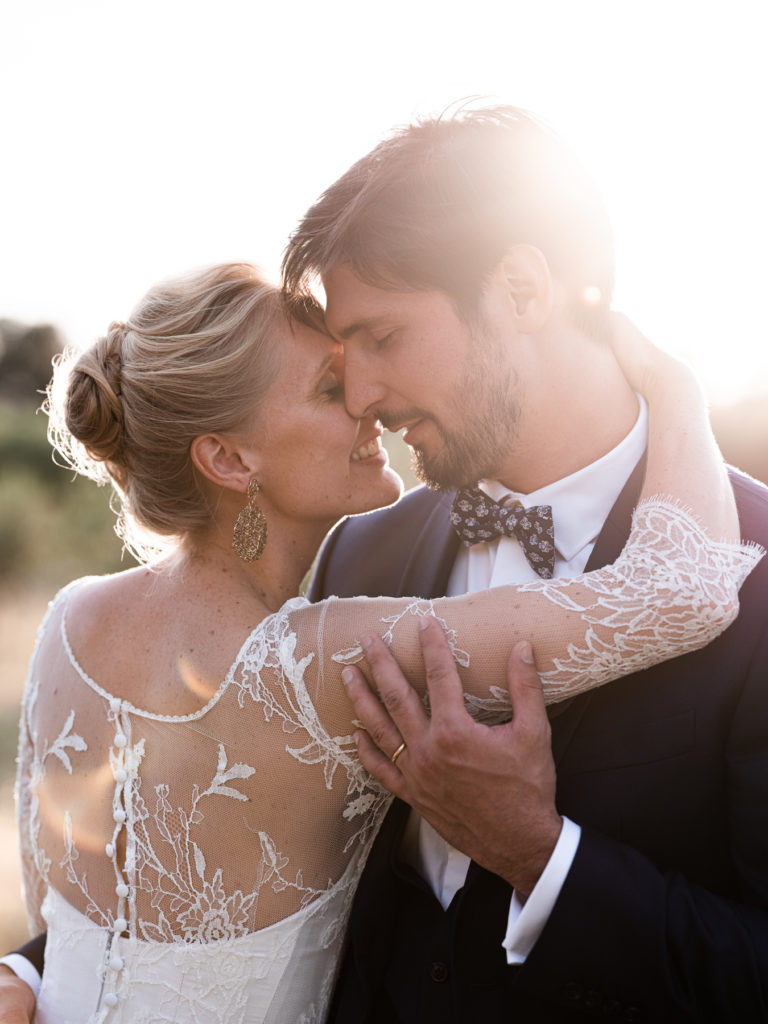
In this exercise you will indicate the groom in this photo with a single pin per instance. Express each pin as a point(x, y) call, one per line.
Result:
point(467, 264)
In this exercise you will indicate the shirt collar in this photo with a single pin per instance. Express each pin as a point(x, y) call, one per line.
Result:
point(582, 501)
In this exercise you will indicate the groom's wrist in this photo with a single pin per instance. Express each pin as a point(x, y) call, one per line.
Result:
point(17, 998)
point(528, 869)
point(14, 966)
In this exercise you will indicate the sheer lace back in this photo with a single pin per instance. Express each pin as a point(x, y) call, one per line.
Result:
point(204, 829)
point(252, 781)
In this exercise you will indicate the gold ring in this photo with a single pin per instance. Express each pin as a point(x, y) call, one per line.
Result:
point(397, 753)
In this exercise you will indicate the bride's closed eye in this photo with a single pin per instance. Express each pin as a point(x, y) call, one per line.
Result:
point(332, 389)
point(381, 343)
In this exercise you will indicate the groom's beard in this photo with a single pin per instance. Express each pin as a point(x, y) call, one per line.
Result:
point(475, 452)
point(476, 442)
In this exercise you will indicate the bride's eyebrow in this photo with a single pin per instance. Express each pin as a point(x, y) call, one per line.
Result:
point(324, 366)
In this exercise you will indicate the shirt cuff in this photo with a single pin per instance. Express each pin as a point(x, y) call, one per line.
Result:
point(526, 920)
point(23, 969)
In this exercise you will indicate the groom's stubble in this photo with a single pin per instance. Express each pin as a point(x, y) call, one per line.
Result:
point(483, 432)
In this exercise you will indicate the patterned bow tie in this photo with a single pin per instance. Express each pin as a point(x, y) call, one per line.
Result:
point(477, 518)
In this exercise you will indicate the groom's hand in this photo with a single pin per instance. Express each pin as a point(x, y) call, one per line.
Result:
point(489, 791)
point(17, 1001)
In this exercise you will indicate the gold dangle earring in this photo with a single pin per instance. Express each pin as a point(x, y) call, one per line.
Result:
point(250, 534)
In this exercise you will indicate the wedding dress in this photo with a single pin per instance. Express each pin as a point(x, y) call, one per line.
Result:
point(200, 867)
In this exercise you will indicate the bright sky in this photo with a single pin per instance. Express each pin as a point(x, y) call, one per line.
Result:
point(141, 139)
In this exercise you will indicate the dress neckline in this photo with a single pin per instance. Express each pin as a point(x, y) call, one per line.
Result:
point(126, 705)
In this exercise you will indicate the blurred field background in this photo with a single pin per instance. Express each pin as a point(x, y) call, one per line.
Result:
point(54, 527)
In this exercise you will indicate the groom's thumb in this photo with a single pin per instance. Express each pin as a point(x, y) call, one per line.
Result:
point(524, 683)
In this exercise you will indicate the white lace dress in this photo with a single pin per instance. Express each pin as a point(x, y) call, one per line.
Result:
point(200, 868)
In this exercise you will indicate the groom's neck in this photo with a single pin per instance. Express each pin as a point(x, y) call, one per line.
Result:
point(577, 419)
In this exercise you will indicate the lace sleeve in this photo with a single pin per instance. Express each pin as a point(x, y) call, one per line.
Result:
point(32, 878)
point(671, 591)
point(34, 863)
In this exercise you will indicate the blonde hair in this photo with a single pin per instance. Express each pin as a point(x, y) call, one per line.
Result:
point(194, 357)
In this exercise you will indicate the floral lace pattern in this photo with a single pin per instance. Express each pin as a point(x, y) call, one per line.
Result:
point(201, 867)
point(651, 604)
point(670, 591)
point(160, 884)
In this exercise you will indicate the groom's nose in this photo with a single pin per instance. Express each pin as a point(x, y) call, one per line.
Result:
point(363, 391)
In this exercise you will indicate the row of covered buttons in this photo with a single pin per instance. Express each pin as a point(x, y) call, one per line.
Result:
point(438, 971)
point(116, 962)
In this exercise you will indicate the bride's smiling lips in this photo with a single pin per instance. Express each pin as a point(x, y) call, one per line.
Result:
point(370, 450)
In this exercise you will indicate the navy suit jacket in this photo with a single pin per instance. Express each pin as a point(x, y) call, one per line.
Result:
point(664, 913)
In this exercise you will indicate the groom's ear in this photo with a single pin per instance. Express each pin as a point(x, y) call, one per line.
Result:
point(223, 461)
point(525, 276)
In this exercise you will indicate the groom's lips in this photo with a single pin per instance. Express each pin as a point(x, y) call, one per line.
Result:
point(412, 433)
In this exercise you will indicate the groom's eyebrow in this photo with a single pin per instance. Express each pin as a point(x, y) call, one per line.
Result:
point(359, 325)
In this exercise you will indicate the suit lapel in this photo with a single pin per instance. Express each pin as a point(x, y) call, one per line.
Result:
point(426, 575)
point(610, 541)
point(372, 920)
point(428, 568)
point(613, 535)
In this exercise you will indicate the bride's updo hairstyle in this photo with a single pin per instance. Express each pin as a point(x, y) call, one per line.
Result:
point(194, 357)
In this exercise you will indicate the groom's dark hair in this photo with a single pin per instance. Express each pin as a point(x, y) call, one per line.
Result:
point(439, 203)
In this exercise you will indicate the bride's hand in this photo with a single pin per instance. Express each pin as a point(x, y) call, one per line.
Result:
point(650, 370)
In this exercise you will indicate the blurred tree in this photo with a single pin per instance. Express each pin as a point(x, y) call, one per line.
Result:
point(25, 359)
point(53, 526)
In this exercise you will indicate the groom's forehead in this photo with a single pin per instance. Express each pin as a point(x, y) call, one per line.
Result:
point(355, 307)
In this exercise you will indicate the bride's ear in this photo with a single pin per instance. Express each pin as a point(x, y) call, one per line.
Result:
point(223, 461)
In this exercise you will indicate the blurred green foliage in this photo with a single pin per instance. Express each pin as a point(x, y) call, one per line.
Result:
point(54, 526)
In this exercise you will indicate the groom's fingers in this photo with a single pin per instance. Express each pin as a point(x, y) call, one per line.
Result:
point(446, 692)
point(402, 703)
point(530, 724)
point(379, 738)
point(380, 766)
point(370, 712)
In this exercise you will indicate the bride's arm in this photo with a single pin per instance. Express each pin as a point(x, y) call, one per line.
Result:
point(673, 589)
point(32, 867)
point(683, 458)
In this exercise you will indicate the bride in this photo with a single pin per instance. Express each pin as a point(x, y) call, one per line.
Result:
point(193, 815)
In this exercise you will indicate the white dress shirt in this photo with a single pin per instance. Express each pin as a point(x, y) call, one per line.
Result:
point(580, 504)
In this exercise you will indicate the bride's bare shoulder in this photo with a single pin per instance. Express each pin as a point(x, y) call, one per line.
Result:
point(103, 603)
point(136, 627)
